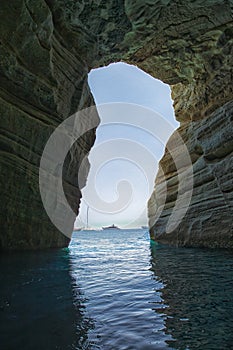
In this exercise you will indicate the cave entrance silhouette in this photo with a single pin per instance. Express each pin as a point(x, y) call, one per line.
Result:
point(124, 159)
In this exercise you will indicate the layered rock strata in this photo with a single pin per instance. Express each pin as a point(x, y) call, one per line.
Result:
point(47, 49)
point(208, 220)
point(43, 81)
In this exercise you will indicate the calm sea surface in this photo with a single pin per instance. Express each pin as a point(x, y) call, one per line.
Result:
point(113, 290)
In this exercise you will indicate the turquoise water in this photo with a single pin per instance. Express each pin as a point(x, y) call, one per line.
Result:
point(114, 290)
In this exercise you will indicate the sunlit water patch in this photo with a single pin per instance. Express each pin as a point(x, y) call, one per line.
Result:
point(114, 268)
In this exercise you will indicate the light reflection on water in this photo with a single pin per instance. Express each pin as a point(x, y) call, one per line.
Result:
point(113, 290)
point(114, 269)
point(144, 296)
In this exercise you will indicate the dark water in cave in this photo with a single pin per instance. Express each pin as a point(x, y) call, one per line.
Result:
point(113, 290)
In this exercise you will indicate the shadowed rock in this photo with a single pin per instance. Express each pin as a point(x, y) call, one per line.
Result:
point(47, 49)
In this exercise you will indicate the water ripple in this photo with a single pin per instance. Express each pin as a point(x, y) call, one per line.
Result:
point(153, 297)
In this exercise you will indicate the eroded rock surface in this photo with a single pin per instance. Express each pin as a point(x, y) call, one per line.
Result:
point(208, 220)
point(47, 49)
point(43, 81)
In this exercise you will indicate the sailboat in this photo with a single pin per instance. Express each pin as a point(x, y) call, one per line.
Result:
point(87, 221)
point(76, 229)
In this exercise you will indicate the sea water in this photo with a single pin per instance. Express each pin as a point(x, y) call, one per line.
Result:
point(116, 290)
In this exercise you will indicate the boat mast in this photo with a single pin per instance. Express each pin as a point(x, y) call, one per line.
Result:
point(87, 215)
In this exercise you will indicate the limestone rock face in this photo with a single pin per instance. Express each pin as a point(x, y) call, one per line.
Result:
point(47, 48)
point(44, 70)
point(208, 220)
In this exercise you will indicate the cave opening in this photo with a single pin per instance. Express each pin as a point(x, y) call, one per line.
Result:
point(137, 118)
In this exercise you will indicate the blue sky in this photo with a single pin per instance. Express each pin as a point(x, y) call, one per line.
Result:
point(137, 118)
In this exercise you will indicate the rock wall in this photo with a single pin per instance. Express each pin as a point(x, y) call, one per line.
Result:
point(44, 70)
point(47, 47)
point(208, 220)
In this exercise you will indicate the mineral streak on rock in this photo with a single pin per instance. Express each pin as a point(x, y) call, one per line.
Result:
point(47, 48)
